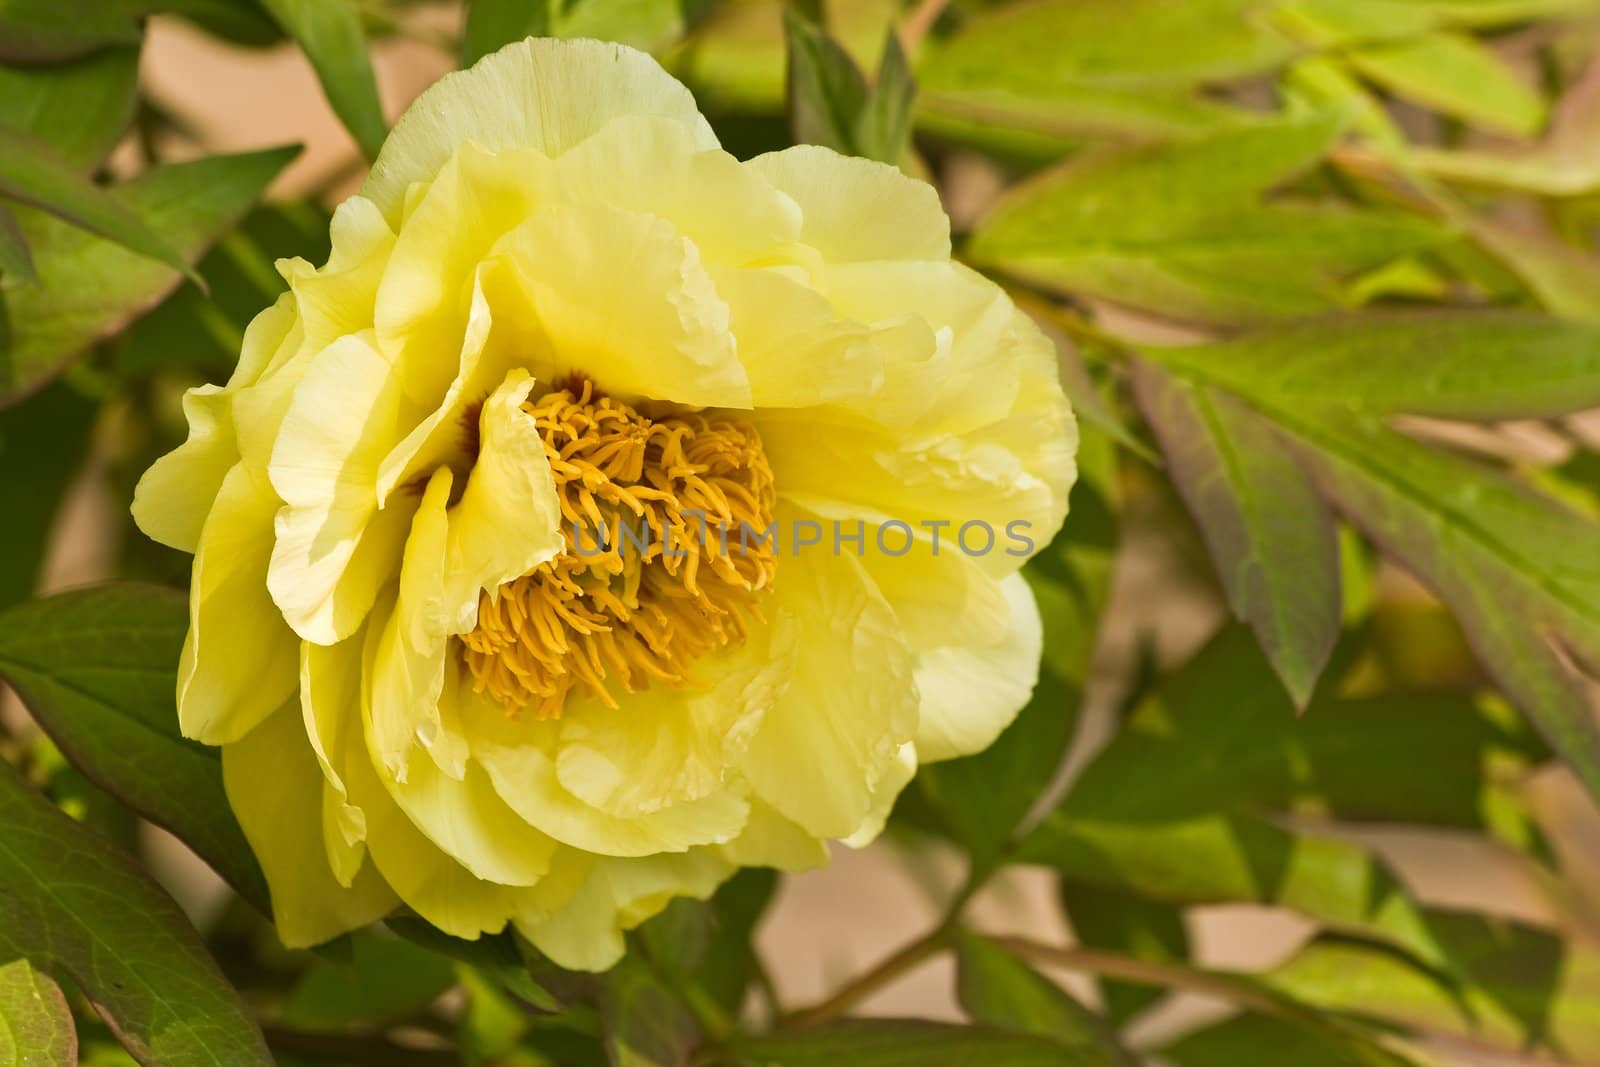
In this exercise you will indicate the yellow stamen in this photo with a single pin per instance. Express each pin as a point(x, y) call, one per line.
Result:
point(610, 609)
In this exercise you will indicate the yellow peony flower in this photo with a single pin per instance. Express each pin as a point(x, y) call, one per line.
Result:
point(577, 534)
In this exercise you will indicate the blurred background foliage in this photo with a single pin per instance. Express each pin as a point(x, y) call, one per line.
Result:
point(1309, 776)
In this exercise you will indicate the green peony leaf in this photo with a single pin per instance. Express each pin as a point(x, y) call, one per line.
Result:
point(1120, 923)
point(36, 1024)
point(97, 668)
point(1274, 542)
point(36, 480)
point(386, 979)
point(39, 31)
point(996, 988)
point(329, 31)
point(75, 907)
point(493, 24)
point(646, 1024)
point(80, 108)
point(1262, 1041)
point(1457, 75)
point(908, 1043)
point(89, 287)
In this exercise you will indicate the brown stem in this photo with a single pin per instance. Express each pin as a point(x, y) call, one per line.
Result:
point(906, 959)
point(920, 21)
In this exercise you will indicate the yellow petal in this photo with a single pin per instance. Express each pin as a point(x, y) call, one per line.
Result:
point(884, 793)
point(618, 895)
point(770, 840)
point(330, 704)
point(432, 884)
point(508, 520)
point(664, 746)
point(331, 556)
point(519, 755)
point(274, 787)
point(623, 298)
point(543, 94)
point(426, 299)
point(854, 209)
point(939, 597)
point(796, 349)
point(660, 167)
point(338, 298)
point(173, 498)
point(972, 692)
point(826, 743)
point(240, 661)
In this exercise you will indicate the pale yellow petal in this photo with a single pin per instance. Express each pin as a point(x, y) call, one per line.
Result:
point(508, 520)
point(338, 298)
point(618, 895)
point(436, 887)
point(173, 498)
point(519, 755)
point(330, 703)
point(825, 745)
point(972, 692)
point(427, 300)
point(240, 661)
point(855, 209)
point(665, 746)
point(770, 840)
point(345, 416)
point(940, 595)
point(275, 789)
point(542, 94)
point(884, 793)
point(660, 167)
point(623, 298)
point(796, 349)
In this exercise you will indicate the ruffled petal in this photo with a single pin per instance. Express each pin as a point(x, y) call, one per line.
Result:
point(972, 692)
point(824, 746)
point(334, 551)
point(519, 756)
point(623, 298)
point(884, 793)
point(173, 498)
point(660, 167)
point(855, 209)
point(665, 746)
point(275, 789)
point(542, 94)
point(770, 840)
point(508, 520)
point(240, 661)
point(330, 704)
point(619, 894)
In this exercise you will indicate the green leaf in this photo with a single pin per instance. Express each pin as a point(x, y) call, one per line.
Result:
point(330, 33)
point(98, 670)
point(1178, 807)
point(89, 288)
point(1274, 543)
point(1261, 1041)
point(649, 25)
point(387, 979)
point(996, 988)
point(75, 907)
point(1512, 986)
point(826, 90)
point(1114, 43)
point(36, 477)
point(80, 108)
point(493, 24)
point(1565, 163)
point(1127, 925)
point(646, 1025)
point(32, 172)
point(884, 127)
point(907, 1043)
point(193, 333)
point(1564, 278)
point(240, 21)
point(1457, 75)
point(730, 962)
point(1181, 229)
point(16, 261)
point(1500, 555)
point(982, 799)
point(38, 31)
point(1449, 364)
point(496, 956)
point(36, 1024)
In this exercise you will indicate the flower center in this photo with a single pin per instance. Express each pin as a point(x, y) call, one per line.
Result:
point(663, 513)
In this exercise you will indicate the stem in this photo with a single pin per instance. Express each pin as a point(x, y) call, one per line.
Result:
point(901, 962)
point(920, 21)
point(1240, 991)
point(908, 958)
